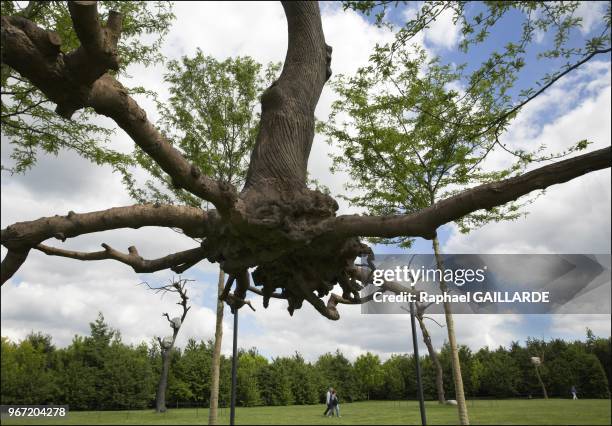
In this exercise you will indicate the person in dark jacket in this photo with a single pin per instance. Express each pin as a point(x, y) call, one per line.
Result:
point(335, 404)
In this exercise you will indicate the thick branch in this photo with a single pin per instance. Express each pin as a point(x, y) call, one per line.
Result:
point(97, 41)
point(11, 263)
point(237, 299)
point(79, 79)
point(425, 222)
point(132, 258)
point(108, 97)
point(98, 50)
point(22, 236)
point(331, 309)
point(235, 302)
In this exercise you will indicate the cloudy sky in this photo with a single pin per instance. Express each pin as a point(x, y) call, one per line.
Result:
point(61, 296)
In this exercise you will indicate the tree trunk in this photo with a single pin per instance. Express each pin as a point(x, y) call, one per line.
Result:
point(160, 400)
point(541, 382)
point(450, 326)
point(216, 356)
point(165, 347)
point(286, 131)
point(434, 358)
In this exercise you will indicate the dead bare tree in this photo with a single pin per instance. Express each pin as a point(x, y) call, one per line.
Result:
point(537, 362)
point(166, 344)
point(433, 355)
point(289, 233)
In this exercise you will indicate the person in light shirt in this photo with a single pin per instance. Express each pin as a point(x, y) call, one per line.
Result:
point(328, 401)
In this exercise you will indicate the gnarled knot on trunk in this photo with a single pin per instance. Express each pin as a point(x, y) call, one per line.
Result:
point(278, 232)
point(292, 209)
point(266, 224)
point(272, 98)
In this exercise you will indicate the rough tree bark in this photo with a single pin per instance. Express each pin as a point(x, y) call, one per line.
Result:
point(216, 356)
point(290, 234)
point(162, 385)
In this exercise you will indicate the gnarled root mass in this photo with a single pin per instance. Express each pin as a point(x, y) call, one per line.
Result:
point(279, 233)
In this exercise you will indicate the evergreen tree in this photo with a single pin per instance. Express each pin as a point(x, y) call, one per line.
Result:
point(499, 376)
point(368, 375)
point(250, 364)
point(124, 376)
point(394, 386)
point(194, 369)
point(337, 370)
point(602, 349)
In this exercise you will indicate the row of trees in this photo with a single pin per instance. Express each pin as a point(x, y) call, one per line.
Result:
point(100, 372)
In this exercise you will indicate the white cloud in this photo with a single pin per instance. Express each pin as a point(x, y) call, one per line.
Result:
point(63, 304)
point(576, 325)
point(352, 39)
point(592, 13)
point(440, 34)
point(573, 217)
point(443, 33)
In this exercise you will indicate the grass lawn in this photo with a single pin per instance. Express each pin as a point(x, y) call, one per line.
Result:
point(554, 411)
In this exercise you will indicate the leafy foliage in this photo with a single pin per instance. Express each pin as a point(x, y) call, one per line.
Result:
point(249, 366)
point(369, 374)
point(211, 117)
point(99, 372)
point(401, 156)
point(478, 20)
point(413, 129)
point(28, 119)
point(337, 369)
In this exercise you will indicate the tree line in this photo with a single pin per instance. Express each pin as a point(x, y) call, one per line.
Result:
point(100, 372)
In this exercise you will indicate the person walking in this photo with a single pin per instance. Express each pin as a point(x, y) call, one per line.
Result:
point(573, 391)
point(335, 403)
point(328, 395)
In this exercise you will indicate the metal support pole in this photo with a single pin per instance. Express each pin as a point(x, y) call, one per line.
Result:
point(418, 365)
point(234, 369)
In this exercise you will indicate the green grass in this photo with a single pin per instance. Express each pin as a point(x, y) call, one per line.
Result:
point(554, 411)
